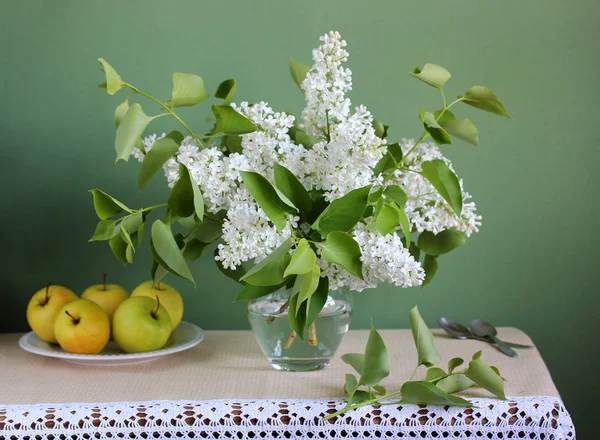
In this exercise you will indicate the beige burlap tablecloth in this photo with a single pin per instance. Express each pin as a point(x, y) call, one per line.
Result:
point(230, 365)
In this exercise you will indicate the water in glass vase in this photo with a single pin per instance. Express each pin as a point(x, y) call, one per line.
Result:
point(276, 339)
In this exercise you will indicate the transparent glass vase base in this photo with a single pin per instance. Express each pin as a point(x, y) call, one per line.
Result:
point(298, 365)
point(285, 350)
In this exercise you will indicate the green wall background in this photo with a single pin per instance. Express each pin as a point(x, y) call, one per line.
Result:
point(534, 265)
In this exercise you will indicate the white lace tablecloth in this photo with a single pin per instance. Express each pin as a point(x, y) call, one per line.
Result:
point(223, 389)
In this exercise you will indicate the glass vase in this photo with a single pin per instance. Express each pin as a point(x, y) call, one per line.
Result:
point(284, 350)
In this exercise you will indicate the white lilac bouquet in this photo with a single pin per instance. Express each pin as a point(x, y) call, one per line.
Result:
point(316, 203)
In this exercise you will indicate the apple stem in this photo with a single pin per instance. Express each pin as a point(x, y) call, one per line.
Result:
point(75, 320)
point(47, 298)
point(158, 286)
point(104, 280)
point(157, 307)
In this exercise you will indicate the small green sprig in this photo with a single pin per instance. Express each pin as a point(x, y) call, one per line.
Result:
point(437, 388)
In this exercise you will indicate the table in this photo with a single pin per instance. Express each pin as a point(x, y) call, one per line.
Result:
point(224, 388)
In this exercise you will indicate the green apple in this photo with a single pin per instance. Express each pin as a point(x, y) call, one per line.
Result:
point(141, 324)
point(169, 298)
point(107, 296)
point(82, 327)
point(44, 307)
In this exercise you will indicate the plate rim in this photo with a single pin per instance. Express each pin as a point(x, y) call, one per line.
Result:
point(197, 339)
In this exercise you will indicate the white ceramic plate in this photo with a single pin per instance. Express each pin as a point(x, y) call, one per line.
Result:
point(185, 336)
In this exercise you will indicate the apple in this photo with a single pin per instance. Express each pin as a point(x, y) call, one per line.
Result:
point(82, 327)
point(169, 298)
point(44, 307)
point(141, 324)
point(107, 296)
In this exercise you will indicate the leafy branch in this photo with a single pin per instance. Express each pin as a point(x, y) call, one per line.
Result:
point(437, 388)
point(441, 125)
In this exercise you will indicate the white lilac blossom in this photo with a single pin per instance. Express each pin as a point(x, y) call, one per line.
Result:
point(342, 159)
point(384, 258)
point(425, 208)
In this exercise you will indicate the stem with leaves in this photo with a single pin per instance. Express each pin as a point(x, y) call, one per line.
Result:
point(436, 389)
point(169, 110)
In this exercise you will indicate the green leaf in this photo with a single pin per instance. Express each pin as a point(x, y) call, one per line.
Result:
point(194, 249)
point(380, 389)
point(351, 385)
point(105, 230)
point(208, 231)
point(125, 236)
point(157, 272)
point(404, 223)
point(444, 181)
point(162, 150)
point(391, 159)
point(455, 384)
point(105, 205)
point(414, 251)
point(341, 249)
point(454, 363)
point(129, 253)
point(375, 194)
point(317, 300)
point(252, 292)
point(138, 235)
point(427, 353)
point(442, 243)
point(188, 90)
point(298, 72)
point(463, 129)
point(432, 74)
point(226, 91)
point(234, 143)
point(355, 360)
point(497, 372)
point(120, 111)
point(477, 355)
point(310, 282)
point(268, 199)
point(167, 252)
point(484, 99)
point(118, 248)
point(426, 393)
point(376, 364)
point(444, 116)
point(130, 129)
point(303, 259)
point(297, 320)
point(231, 122)
point(430, 266)
point(434, 374)
point(343, 213)
point(378, 127)
point(185, 198)
point(359, 396)
point(114, 83)
point(133, 222)
point(396, 194)
point(438, 134)
point(484, 376)
point(306, 140)
point(270, 270)
point(387, 220)
point(291, 187)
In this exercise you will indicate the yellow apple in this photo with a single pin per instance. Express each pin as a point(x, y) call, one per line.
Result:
point(107, 296)
point(82, 327)
point(141, 324)
point(43, 308)
point(169, 298)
